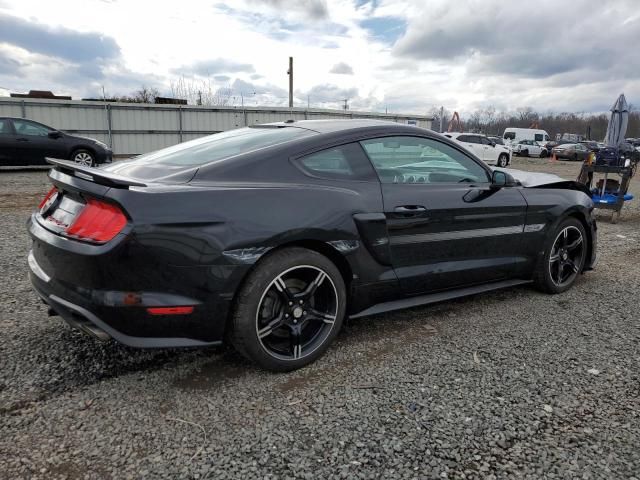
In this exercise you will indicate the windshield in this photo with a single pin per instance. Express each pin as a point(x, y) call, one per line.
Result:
point(219, 146)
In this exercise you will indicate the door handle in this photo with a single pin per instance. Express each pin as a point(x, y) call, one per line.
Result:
point(410, 209)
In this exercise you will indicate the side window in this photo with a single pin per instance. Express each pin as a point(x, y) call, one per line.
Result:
point(546, 138)
point(485, 141)
point(538, 137)
point(421, 160)
point(345, 161)
point(509, 136)
point(473, 139)
point(24, 127)
point(463, 138)
point(5, 129)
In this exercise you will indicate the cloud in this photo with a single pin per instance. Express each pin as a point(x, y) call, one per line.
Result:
point(221, 78)
point(58, 42)
point(329, 93)
point(205, 68)
point(311, 9)
point(240, 85)
point(342, 68)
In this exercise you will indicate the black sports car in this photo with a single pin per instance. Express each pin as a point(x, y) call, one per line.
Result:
point(270, 236)
point(26, 143)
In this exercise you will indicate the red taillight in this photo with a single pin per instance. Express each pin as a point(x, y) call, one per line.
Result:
point(47, 197)
point(97, 222)
point(185, 310)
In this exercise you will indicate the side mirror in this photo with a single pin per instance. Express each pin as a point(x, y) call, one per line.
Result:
point(54, 134)
point(493, 144)
point(500, 179)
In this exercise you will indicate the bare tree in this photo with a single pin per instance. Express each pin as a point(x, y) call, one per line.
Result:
point(201, 92)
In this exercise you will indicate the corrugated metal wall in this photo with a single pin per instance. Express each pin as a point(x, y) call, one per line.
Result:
point(132, 128)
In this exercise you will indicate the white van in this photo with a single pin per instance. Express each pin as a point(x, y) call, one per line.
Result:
point(513, 136)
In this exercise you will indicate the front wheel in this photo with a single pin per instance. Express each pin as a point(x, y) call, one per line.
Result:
point(289, 310)
point(544, 154)
point(564, 257)
point(83, 157)
point(503, 160)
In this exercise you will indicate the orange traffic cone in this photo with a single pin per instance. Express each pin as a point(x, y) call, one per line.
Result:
point(553, 156)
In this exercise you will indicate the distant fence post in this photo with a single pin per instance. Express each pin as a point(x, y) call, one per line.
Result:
point(180, 122)
point(23, 109)
point(109, 126)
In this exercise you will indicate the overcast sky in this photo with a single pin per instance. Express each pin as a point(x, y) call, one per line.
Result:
point(401, 55)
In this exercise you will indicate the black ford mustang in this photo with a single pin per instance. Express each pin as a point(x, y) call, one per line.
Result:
point(269, 236)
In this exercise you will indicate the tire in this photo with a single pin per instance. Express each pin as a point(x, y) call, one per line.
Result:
point(83, 157)
point(524, 153)
point(564, 257)
point(289, 310)
point(575, 157)
point(503, 160)
point(544, 154)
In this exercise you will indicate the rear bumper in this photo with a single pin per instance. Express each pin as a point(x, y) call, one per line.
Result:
point(82, 316)
point(106, 290)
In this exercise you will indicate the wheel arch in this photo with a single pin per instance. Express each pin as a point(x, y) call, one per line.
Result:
point(75, 148)
point(582, 218)
point(323, 248)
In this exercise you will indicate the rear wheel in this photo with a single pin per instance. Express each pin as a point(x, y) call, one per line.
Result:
point(544, 154)
point(575, 157)
point(503, 160)
point(524, 153)
point(564, 257)
point(83, 157)
point(289, 310)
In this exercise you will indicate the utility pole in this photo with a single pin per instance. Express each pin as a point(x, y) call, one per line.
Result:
point(346, 105)
point(441, 119)
point(290, 73)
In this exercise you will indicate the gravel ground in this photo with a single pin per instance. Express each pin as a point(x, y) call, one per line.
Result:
point(509, 384)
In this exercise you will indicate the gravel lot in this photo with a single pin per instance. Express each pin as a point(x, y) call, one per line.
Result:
point(509, 384)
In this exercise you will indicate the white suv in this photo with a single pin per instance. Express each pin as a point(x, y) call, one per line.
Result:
point(485, 149)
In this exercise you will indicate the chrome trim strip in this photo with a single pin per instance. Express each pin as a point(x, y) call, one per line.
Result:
point(456, 235)
point(36, 269)
point(534, 227)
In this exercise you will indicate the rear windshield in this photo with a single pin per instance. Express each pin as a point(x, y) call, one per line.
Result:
point(220, 146)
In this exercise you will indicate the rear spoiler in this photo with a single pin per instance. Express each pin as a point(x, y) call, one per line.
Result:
point(94, 174)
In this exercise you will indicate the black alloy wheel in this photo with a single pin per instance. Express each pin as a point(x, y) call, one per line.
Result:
point(297, 312)
point(567, 256)
point(289, 309)
point(564, 258)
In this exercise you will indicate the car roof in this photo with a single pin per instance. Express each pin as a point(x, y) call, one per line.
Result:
point(457, 134)
point(329, 126)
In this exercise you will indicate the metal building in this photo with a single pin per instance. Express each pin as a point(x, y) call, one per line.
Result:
point(134, 128)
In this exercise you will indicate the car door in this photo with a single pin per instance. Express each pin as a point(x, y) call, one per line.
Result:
point(489, 151)
point(8, 155)
point(33, 143)
point(447, 227)
point(471, 143)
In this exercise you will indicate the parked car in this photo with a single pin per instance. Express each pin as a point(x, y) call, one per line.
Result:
point(269, 236)
point(571, 151)
point(512, 135)
point(591, 145)
point(529, 148)
point(554, 143)
point(483, 148)
point(27, 143)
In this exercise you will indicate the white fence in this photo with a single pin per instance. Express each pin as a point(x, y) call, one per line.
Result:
point(132, 128)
